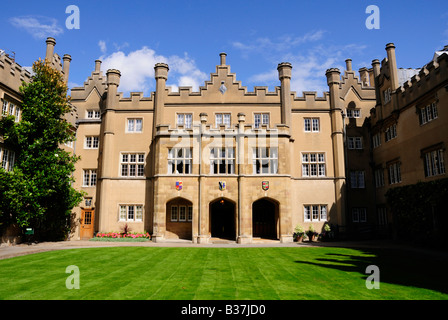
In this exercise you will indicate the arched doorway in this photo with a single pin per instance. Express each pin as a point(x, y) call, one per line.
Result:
point(222, 219)
point(179, 217)
point(264, 219)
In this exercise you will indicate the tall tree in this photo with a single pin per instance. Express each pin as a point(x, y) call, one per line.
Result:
point(38, 192)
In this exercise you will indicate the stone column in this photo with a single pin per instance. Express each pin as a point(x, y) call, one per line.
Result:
point(337, 136)
point(284, 74)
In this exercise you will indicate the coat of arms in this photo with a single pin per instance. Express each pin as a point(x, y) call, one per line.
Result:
point(222, 185)
point(178, 185)
point(265, 185)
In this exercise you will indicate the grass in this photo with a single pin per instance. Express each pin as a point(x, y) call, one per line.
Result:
point(159, 273)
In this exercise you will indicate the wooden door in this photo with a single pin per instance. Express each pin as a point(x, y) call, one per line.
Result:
point(87, 218)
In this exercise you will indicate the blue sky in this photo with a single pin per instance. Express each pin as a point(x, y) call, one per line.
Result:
point(256, 35)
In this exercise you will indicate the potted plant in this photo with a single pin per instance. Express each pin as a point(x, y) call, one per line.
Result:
point(327, 230)
point(311, 233)
point(298, 233)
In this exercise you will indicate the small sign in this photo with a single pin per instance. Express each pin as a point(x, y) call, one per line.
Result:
point(178, 185)
point(265, 185)
point(29, 231)
point(222, 185)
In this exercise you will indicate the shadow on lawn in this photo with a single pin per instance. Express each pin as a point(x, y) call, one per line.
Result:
point(396, 267)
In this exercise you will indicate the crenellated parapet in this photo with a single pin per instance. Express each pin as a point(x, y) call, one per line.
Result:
point(430, 76)
point(12, 74)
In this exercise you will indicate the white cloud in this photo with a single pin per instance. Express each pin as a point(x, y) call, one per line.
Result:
point(309, 65)
point(39, 27)
point(103, 47)
point(137, 70)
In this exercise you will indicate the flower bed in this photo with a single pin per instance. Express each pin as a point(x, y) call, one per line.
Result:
point(119, 236)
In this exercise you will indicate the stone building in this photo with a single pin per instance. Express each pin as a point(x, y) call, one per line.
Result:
point(223, 162)
point(227, 162)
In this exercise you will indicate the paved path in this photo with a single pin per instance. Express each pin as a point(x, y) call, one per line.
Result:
point(9, 251)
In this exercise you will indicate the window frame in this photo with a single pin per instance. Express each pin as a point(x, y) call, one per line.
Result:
point(259, 158)
point(309, 166)
point(134, 125)
point(315, 212)
point(176, 160)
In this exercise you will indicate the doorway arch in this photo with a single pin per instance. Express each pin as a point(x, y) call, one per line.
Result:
point(179, 216)
point(265, 216)
point(223, 219)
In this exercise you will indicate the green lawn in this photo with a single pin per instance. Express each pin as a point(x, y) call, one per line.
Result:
point(222, 273)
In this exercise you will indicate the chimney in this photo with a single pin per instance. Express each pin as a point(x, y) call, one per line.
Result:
point(161, 75)
point(364, 75)
point(97, 66)
point(223, 56)
point(390, 48)
point(66, 66)
point(113, 81)
point(51, 42)
point(284, 75)
point(348, 64)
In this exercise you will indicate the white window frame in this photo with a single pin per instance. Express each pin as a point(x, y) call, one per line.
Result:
point(379, 177)
point(218, 159)
point(262, 156)
point(353, 113)
point(184, 119)
point(93, 114)
point(394, 170)
point(7, 159)
point(387, 95)
point(376, 140)
point(313, 164)
point(355, 143)
point(434, 163)
point(357, 179)
point(391, 132)
point(91, 142)
point(260, 119)
point(130, 212)
point(311, 124)
point(89, 177)
point(132, 164)
point(184, 160)
point(134, 125)
point(428, 113)
point(223, 118)
point(315, 212)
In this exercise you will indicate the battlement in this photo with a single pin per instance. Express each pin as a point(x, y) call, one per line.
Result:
point(428, 77)
point(12, 74)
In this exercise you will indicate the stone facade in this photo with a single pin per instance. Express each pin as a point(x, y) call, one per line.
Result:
point(227, 162)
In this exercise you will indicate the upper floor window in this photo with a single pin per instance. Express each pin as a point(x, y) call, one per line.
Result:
point(428, 113)
point(313, 164)
point(391, 132)
point(379, 177)
point(311, 125)
point(222, 118)
point(376, 140)
point(434, 163)
point(357, 179)
point(387, 95)
point(93, 114)
point(9, 108)
point(353, 113)
point(89, 178)
point(179, 161)
point(132, 164)
point(355, 142)
point(185, 119)
point(222, 161)
point(261, 119)
point(7, 158)
point(135, 125)
point(92, 142)
point(394, 170)
point(265, 160)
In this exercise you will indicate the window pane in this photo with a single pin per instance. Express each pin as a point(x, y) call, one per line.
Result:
point(188, 120)
point(138, 213)
point(138, 125)
point(130, 125)
point(180, 119)
point(131, 213)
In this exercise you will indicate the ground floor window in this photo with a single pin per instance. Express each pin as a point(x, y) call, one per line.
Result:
point(181, 213)
point(434, 163)
point(359, 214)
point(315, 212)
point(7, 158)
point(131, 213)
